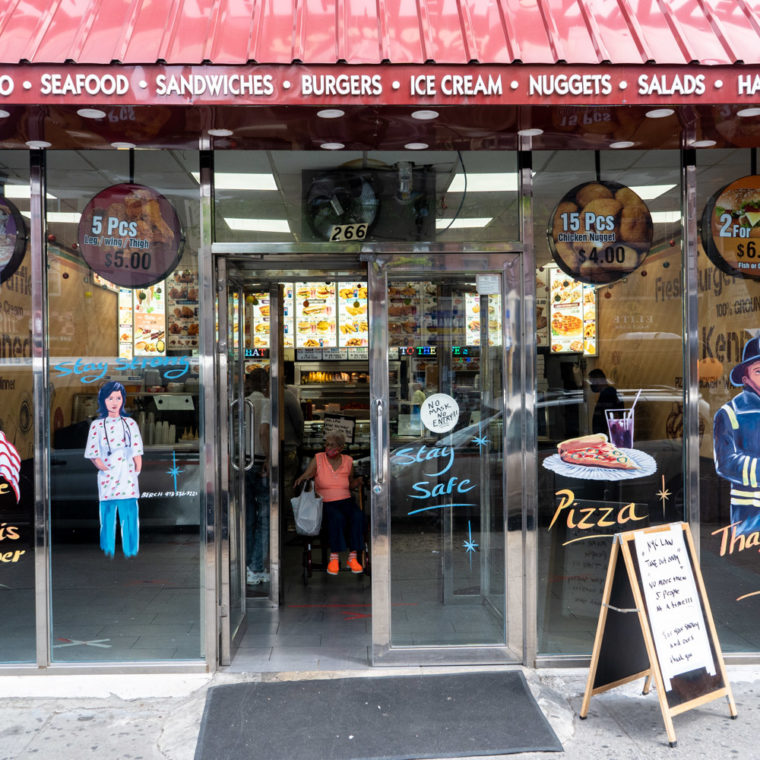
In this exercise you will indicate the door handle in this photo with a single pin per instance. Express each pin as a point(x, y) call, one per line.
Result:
point(232, 447)
point(251, 440)
point(379, 459)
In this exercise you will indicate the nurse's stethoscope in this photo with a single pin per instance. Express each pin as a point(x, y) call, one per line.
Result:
point(126, 430)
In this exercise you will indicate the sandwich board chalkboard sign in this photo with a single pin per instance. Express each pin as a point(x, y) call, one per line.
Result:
point(655, 623)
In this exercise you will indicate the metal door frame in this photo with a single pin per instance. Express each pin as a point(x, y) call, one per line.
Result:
point(512, 280)
point(517, 450)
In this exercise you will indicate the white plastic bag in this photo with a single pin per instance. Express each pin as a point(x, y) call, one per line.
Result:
point(307, 510)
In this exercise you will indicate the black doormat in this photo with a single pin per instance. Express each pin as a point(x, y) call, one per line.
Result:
point(378, 718)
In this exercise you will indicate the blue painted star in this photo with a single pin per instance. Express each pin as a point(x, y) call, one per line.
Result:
point(174, 470)
point(469, 545)
point(480, 440)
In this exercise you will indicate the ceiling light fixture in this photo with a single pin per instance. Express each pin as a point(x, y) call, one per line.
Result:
point(621, 144)
point(747, 112)
point(530, 132)
point(4, 114)
point(416, 146)
point(20, 192)
point(58, 217)
point(474, 221)
point(659, 113)
point(258, 225)
point(240, 181)
point(425, 114)
point(91, 113)
point(648, 192)
point(36, 144)
point(496, 182)
point(220, 132)
point(703, 143)
point(665, 217)
point(122, 145)
point(332, 146)
point(330, 113)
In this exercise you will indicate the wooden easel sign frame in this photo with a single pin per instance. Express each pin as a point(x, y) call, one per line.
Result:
point(655, 623)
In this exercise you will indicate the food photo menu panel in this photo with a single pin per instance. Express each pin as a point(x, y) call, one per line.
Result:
point(149, 308)
point(315, 315)
point(182, 307)
point(352, 315)
point(473, 318)
point(572, 314)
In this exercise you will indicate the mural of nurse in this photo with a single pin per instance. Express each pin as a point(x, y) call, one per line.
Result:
point(736, 441)
point(115, 447)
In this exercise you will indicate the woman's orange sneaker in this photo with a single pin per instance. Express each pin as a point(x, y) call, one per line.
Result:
point(333, 566)
point(353, 564)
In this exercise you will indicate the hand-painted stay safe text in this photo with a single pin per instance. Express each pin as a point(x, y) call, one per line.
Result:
point(437, 484)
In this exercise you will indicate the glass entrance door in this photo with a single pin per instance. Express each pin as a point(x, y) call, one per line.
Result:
point(249, 372)
point(436, 430)
point(232, 412)
point(444, 377)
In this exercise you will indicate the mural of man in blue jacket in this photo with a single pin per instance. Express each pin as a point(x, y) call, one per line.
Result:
point(736, 441)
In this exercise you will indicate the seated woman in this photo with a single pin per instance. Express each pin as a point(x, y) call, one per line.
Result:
point(334, 477)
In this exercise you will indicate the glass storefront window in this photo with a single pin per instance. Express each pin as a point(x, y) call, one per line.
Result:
point(17, 633)
point(447, 459)
point(380, 197)
point(609, 343)
point(123, 317)
point(729, 305)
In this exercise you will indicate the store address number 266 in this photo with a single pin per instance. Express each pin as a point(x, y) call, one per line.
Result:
point(342, 232)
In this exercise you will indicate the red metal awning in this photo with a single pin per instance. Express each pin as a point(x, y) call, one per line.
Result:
point(229, 32)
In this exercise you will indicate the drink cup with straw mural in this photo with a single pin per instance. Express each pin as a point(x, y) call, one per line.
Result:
point(620, 427)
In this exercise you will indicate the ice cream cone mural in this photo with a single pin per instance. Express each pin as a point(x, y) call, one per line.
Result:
point(10, 464)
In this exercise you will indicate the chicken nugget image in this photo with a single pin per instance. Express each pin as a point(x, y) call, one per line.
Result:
point(590, 192)
point(625, 195)
point(636, 225)
point(567, 254)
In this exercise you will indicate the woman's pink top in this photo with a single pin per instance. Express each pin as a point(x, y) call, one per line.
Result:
point(332, 485)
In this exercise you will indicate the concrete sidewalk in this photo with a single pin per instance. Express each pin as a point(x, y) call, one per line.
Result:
point(157, 717)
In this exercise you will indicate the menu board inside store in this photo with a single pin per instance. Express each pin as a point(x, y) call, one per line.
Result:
point(182, 307)
point(315, 314)
point(142, 321)
point(327, 317)
point(412, 319)
point(572, 315)
point(259, 318)
point(473, 317)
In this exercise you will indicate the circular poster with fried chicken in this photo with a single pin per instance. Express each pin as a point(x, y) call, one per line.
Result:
point(131, 235)
point(731, 228)
point(600, 232)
